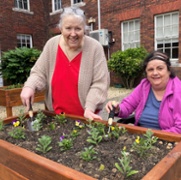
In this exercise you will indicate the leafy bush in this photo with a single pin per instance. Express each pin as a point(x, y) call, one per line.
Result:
point(16, 64)
point(127, 64)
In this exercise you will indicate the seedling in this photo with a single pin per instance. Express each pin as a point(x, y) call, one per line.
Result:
point(44, 144)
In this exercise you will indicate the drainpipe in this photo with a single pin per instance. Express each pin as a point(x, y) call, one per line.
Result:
point(99, 14)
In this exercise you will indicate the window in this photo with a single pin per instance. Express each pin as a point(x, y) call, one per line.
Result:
point(56, 5)
point(130, 34)
point(167, 34)
point(77, 3)
point(24, 40)
point(22, 4)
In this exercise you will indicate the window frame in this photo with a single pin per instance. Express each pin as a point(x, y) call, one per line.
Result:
point(79, 4)
point(170, 41)
point(25, 38)
point(16, 2)
point(134, 32)
point(53, 6)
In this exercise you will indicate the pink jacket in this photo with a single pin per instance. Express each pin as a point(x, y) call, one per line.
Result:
point(170, 107)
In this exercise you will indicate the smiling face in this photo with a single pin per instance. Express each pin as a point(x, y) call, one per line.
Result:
point(73, 31)
point(158, 74)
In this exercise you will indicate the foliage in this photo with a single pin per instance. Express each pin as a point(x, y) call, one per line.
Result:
point(17, 133)
point(65, 144)
point(21, 116)
point(13, 86)
point(124, 166)
point(88, 154)
point(52, 126)
point(1, 125)
point(116, 131)
point(44, 144)
point(94, 136)
point(60, 118)
point(142, 145)
point(16, 64)
point(37, 123)
point(127, 64)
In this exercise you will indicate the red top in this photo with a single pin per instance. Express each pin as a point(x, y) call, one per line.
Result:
point(65, 85)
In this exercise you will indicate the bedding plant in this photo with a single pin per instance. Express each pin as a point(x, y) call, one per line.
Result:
point(88, 148)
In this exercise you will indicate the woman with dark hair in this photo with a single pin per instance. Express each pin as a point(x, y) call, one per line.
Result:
point(156, 101)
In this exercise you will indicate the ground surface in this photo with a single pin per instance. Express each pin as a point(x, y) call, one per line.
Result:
point(113, 94)
point(108, 151)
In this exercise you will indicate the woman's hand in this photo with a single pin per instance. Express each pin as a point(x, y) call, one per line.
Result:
point(26, 95)
point(90, 115)
point(110, 104)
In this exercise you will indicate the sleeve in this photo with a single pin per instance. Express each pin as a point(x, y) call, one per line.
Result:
point(97, 93)
point(130, 103)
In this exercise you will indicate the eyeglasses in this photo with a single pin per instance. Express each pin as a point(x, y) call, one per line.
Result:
point(74, 10)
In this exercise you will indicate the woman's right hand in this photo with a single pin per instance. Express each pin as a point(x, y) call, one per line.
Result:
point(26, 95)
point(109, 106)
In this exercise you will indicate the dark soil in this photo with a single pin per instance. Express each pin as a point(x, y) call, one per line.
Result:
point(109, 150)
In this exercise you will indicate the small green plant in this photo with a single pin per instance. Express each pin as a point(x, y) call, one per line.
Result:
point(65, 143)
point(60, 118)
point(40, 115)
point(116, 131)
point(88, 154)
point(74, 133)
point(94, 136)
point(37, 123)
point(1, 125)
point(21, 116)
point(124, 165)
point(142, 145)
point(17, 133)
point(44, 144)
point(52, 126)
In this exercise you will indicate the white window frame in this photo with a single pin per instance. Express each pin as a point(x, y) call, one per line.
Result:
point(130, 32)
point(22, 8)
point(78, 3)
point(167, 34)
point(54, 3)
point(27, 38)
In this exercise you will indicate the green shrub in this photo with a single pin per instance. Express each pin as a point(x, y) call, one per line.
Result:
point(16, 64)
point(127, 64)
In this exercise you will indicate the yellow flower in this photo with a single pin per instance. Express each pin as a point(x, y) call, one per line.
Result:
point(102, 167)
point(77, 123)
point(112, 128)
point(15, 124)
point(124, 148)
point(137, 140)
point(80, 126)
point(74, 131)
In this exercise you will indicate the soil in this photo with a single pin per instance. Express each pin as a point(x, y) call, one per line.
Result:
point(109, 150)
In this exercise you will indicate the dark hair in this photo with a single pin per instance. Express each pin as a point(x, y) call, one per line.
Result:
point(160, 56)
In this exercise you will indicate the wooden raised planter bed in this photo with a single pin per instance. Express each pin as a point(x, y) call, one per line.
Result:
point(18, 163)
point(11, 97)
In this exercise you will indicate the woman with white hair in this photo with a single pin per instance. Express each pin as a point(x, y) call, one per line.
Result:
point(72, 68)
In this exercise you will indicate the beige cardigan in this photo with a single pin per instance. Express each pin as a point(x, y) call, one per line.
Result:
point(93, 80)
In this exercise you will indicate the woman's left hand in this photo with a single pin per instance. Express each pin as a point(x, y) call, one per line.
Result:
point(90, 115)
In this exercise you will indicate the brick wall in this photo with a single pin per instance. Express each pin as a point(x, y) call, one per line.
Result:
point(14, 22)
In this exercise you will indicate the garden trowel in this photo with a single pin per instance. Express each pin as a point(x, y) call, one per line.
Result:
point(31, 118)
point(111, 115)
